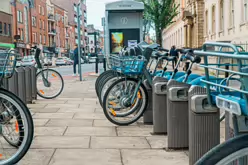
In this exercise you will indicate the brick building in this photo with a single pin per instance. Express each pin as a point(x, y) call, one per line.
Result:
point(188, 28)
point(70, 6)
point(39, 23)
point(22, 26)
point(5, 22)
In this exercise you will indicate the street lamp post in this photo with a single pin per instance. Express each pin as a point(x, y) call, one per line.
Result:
point(79, 40)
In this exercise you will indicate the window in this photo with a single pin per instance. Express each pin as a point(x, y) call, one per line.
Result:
point(1, 27)
point(221, 15)
point(19, 17)
point(34, 21)
point(43, 12)
point(22, 35)
point(35, 37)
point(5, 29)
point(245, 11)
point(44, 39)
point(40, 38)
point(40, 24)
point(206, 22)
point(39, 9)
point(231, 21)
point(213, 19)
point(43, 25)
point(9, 30)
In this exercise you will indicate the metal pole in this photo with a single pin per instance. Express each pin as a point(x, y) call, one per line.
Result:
point(79, 41)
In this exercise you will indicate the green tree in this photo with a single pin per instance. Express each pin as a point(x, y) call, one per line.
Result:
point(161, 14)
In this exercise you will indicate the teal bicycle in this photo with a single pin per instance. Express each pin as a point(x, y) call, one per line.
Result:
point(232, 99)
point(126, 99)
point(16, 124)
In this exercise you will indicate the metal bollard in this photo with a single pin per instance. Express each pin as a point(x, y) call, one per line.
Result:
point(97, 64)
point(159, 105)
point(148, 114)
point(28, 84)
point(33, 82)
point(104, 64)
point(13, 83)
point(177, 115)
point(21, 84)
point(204, 124)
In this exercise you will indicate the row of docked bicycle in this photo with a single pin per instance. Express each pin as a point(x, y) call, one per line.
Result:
point(16, 124)
point(183, 105)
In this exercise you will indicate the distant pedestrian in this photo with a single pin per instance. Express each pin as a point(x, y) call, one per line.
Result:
point(174, 53)
point(75, 59)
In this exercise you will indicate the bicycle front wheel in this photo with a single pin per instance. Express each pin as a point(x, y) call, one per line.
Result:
point(117, 105)
point(16, 127)
point(233, 151)
point(50, 83)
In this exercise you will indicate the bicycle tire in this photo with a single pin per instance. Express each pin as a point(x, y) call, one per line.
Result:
point(104, 82)
point(13, 98)
point(99, 87)
point(62, 82)
point(142, 110)
point(100, 77)
point(225, 151)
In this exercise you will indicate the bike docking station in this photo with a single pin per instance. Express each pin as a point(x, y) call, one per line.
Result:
point(215, 94)
point(23, 83)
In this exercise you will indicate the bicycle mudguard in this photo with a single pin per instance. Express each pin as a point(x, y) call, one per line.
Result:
point(169, 74)
point(190, 78)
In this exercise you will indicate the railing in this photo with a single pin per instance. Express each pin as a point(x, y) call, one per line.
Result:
point(242, 72)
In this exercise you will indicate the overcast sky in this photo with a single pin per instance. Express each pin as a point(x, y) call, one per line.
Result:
point(95, 11)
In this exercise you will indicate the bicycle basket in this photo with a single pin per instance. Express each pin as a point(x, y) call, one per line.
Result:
point(128, 65)
point(7, 63)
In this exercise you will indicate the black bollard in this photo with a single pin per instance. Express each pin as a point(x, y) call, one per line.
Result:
point(97, 65)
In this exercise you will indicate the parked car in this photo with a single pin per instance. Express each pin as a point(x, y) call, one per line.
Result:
point(47, 62)
point(60, 61)
point(68, 61)
point(28, 61)
point(18, 62)
point(92, 59)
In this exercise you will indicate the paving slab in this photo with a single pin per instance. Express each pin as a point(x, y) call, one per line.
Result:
point(103, 123)
point(50, 101)
point(99, 110)
point(74, 110)
point(85, 102)
point(119, 142)
point(66, 99)
point(69, 122)
point(86, 157)
point(36, 105)
point(49, 131)
point(134, 131)
point(156, 157)
point(51, 142)
point(91, 99)
point(53, 115)
point(90, 105)
point(92, 131)
point(37, 157)
point(44, 110)
point(158, 141)
point(62, 105)
point(40, 122)
point(80, 115)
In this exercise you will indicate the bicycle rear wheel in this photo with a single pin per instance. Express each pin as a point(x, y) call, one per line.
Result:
point(15, 120)
point(50, 83)
point(116, 102)
point(227, 153)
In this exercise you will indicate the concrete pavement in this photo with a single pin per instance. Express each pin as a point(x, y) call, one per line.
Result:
point(72, 130)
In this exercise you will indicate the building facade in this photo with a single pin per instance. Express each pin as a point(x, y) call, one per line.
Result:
point(187, 30)
point(70, 6)
point(6, 32)
point(227, 21)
